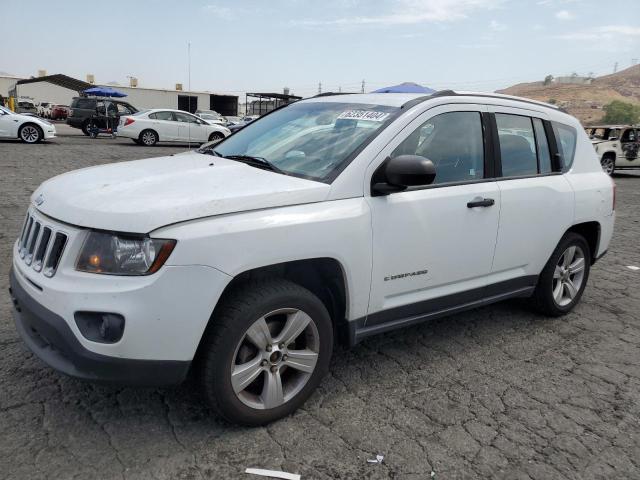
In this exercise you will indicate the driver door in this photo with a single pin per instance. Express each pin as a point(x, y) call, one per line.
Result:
point(432, 249)
point(189, 128)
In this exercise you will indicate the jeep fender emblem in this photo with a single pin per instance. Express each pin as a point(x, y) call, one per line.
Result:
point(39, 200)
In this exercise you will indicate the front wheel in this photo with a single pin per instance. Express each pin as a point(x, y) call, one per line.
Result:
point(216, 136)
point(608, 164)
point(564, 277)
point(265, 351)
point(30, 133)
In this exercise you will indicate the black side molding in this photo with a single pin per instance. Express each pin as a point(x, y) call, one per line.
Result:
point(416, 313)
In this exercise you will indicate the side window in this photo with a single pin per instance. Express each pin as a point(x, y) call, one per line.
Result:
point(567, 138)
point(183, 117)
point(544, 155)
point(517, 145)
point(123, 109)
point(162, 116)
point(453, 142)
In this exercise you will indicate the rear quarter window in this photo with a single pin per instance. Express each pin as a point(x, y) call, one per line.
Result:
point(84, 103)
point(567, 138)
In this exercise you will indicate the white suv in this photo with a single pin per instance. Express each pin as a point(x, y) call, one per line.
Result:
point(334, 218)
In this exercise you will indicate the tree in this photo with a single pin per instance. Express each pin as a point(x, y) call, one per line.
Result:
point(548, 79)
point(552, 101)
point(621, 112)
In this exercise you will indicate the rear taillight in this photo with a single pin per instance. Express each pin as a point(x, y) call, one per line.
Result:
point(613, 205)
point(128, 121)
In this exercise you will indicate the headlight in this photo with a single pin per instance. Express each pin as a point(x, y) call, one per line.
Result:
point(121, 254)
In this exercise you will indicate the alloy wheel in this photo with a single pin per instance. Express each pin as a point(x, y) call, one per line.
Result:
point(148, 138)
point(275, 358)
point(568, 275)
point(29, 134)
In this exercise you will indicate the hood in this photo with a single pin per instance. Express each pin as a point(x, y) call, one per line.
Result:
point(144, 195)
point(33, 118)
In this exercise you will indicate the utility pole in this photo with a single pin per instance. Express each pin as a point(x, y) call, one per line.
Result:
point(615, 67)
point(362, 86)
point(319, 88)
point(339, 89)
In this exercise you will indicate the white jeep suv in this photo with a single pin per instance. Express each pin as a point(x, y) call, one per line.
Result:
point(334, 218)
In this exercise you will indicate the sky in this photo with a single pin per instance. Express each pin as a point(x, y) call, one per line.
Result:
point(266, 45)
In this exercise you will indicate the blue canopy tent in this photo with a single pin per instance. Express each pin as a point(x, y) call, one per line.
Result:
point(104, 92)
point(111, 124)
point(406, 87)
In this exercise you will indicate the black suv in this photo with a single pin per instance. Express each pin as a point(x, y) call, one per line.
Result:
point(87, 110)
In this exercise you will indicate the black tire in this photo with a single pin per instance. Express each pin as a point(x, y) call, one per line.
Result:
point(216, 136)
point(85, 128)
point(608, 163)
point(543, 296)
point(226, 331)
point(30, 133)
point(148, 138)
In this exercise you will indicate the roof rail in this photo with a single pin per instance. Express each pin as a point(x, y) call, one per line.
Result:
point(328, 94)
point(451, 93)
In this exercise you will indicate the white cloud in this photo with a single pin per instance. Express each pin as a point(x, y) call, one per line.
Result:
point(219, 11)
point(606, 32)
point(497, 26)
point(408, 12)
point(564, 15)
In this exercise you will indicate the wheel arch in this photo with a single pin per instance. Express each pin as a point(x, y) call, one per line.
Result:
point(324, 277)
point(149, 130)
point(591, 233)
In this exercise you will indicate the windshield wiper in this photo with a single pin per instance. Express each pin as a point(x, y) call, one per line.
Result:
point(209, 151)
point(259, 162)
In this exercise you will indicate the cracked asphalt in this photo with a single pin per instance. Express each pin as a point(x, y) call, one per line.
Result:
point(498, 392)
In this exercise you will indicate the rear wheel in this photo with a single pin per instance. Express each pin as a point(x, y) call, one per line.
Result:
point(265, 351)
point(86, 128)
point(216, 136)
point(148, 138)
point(30, 133)
point(608, 164)
point(564, 277)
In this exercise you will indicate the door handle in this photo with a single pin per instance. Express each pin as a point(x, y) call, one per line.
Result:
point(484, 202)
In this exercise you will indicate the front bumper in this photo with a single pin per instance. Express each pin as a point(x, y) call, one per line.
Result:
point(49, 337)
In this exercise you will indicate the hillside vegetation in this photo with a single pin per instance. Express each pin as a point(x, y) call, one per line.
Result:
point(585, 102)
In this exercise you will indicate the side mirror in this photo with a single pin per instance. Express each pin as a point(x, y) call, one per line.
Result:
point(398, 173)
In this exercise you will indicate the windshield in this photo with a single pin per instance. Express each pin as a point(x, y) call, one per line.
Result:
point(310, 140)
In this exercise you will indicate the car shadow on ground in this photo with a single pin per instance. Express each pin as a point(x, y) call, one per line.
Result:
point(419, 344)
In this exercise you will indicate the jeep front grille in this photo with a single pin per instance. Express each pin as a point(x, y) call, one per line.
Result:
point(41, 245)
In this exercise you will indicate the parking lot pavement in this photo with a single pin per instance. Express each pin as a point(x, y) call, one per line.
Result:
point(499, 392)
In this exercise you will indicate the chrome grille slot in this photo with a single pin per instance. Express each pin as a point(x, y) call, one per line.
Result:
point(42, 243)
point(25, 237)
point(31, 245)
point(53, 259)
point(42, 249)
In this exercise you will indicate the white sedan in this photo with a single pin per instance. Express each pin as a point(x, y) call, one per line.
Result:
point(28, 128)
point(166, 125)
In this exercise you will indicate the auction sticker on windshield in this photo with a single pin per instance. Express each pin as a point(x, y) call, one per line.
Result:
point(370, 115)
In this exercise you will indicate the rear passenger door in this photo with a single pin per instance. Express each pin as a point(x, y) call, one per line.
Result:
point(165, 124)
point(537, 202)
